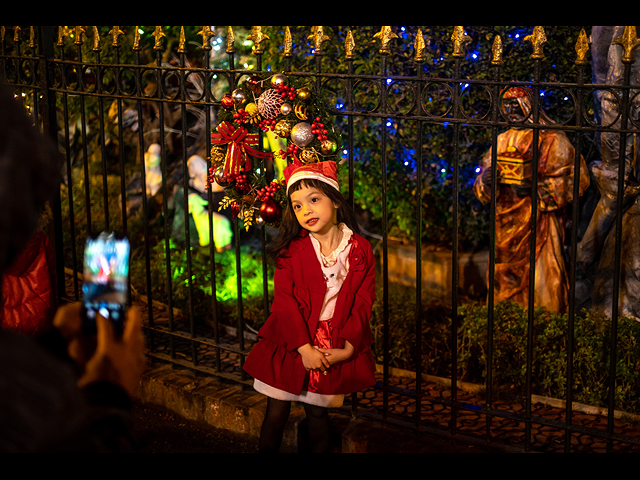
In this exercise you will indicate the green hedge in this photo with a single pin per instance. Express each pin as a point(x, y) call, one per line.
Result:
point(591, 349)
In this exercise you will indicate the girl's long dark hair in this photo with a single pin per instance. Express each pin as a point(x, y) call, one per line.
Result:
point(290, 228)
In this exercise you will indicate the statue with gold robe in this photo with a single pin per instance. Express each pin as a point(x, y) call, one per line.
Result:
point(556, 165)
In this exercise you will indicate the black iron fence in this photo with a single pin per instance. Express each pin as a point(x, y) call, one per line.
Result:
point(108, 102)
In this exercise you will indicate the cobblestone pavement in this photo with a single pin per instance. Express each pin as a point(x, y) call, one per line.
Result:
point(507, 429)
point(436, 410)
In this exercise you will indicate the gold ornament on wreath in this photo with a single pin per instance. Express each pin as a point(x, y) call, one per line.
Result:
point(253, 114)
point(283, 129)
point(285, 107)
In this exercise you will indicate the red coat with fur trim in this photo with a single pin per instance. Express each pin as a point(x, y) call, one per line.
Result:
point(298, 299)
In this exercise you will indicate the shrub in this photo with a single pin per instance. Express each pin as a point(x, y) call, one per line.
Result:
point(591, 349)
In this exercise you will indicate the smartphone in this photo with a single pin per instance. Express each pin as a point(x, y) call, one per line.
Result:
point(105, 285)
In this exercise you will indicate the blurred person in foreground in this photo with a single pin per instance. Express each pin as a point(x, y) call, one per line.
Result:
point(59, 392)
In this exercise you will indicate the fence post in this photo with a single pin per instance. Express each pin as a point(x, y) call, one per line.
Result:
point(50, 129)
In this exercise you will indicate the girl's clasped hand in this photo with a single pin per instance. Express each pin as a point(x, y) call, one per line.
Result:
point(313, 359)
point(321, 359)
point(337, 355)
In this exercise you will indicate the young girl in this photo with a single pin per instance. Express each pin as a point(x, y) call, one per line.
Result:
point(315, 346)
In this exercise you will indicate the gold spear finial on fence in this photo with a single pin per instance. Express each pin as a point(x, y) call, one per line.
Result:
point(288, 43)
point(158, 34)
point(258, 38)
point(16, 34)
point(318, 38)
point(61, 35)
point(206, 33)
point(183, 41)
point(350, 46)
point(32, 38)
point(582, 48)
point(385, 36)
point(459, 38)
point(136, 40)
point(79, 32)
point(420, 47)
point(115, 33)
point(231, 38)
point(629, 42)
point(497, 51)
point(96, 39)
point(538, 39)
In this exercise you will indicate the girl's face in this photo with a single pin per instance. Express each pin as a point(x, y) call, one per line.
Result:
point(314, 210)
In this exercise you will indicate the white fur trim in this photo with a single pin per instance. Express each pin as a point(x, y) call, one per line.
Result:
point(296, 177)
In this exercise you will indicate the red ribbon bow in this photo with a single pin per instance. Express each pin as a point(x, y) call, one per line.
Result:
point(241, 145)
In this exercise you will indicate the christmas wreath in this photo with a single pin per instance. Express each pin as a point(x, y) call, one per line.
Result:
point(284, 108)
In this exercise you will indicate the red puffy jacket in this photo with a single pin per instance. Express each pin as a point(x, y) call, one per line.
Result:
point(29, 298)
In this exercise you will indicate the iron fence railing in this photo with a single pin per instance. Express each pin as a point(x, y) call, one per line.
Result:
point(106, 112)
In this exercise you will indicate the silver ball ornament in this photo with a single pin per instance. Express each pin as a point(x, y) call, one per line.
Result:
point(279, 79)
point(239, 96)
point(301, 135)
point(286, 109)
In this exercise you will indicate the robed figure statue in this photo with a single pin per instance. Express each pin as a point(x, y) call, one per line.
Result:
point(556, 165)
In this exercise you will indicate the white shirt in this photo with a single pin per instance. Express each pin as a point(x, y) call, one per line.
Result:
point(335, 268)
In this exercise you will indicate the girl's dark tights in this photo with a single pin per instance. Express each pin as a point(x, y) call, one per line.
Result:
point(276, 419)
point(318, 420)
point(273, 425)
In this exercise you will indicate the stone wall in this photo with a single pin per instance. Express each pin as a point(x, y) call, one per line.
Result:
point(437, 270)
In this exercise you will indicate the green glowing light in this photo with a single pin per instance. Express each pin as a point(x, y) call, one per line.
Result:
point(226, 274)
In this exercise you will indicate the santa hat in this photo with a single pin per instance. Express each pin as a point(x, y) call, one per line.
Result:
point(326, 172)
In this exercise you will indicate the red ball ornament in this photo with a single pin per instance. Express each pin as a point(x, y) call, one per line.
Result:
point(227, 102)
point(270, 211)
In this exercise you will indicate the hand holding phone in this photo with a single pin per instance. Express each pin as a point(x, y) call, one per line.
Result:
point(106, 281)
point(120, 361)
point(105, 357)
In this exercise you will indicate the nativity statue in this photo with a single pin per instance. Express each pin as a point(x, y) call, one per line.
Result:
point(555, 165)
